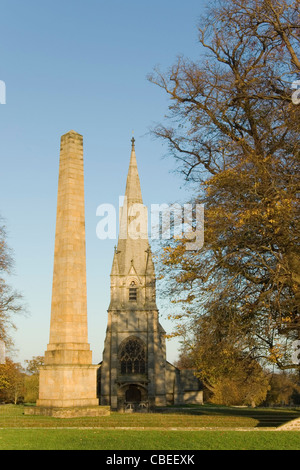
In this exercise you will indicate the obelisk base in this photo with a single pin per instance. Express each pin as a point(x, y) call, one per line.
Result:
point(68, 391)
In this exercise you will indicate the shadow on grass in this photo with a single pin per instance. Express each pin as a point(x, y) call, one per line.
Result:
point(265, 417)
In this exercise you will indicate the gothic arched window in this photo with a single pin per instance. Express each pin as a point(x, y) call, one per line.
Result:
point(133, 357)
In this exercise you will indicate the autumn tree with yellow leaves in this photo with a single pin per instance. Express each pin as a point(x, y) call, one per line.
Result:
point(11, 382)
point(233, 129)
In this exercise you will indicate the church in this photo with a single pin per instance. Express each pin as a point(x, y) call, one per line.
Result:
point(134, 374)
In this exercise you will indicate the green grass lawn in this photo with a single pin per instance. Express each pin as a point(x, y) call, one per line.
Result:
point(197, 416)
point(19, 431)
point(88, 439)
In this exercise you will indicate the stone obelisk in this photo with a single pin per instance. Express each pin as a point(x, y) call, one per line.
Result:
point(68, 380)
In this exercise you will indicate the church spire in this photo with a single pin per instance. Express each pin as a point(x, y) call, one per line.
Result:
point(133, 186)
point(133, 237)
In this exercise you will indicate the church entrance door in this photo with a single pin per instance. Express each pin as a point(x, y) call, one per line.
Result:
point(133, 394)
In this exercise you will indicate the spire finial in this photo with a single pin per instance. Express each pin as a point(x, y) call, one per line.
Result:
point(132, 142)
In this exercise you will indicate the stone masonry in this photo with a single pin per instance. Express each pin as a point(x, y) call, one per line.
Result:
point(68, 378)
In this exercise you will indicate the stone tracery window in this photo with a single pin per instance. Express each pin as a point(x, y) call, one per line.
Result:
point(133, 357)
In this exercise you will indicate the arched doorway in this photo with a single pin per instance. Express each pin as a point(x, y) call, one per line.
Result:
point(133, 398)
point(133, 394)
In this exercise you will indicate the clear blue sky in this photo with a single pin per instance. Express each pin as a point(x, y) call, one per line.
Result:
point(82, 65)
